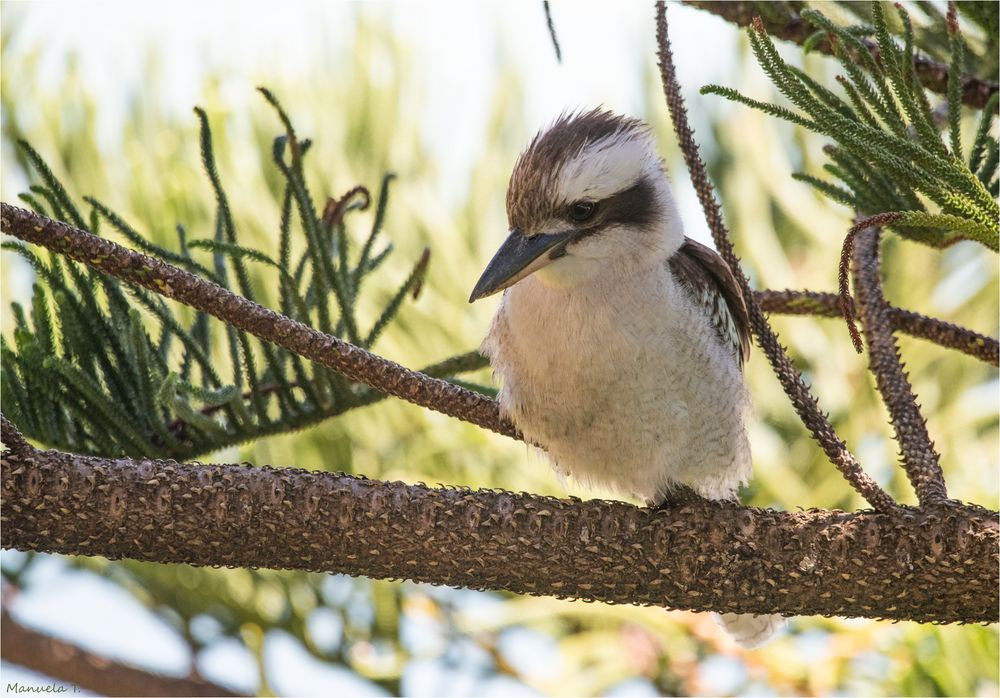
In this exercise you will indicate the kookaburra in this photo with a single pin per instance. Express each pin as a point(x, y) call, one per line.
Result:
point(619, 341)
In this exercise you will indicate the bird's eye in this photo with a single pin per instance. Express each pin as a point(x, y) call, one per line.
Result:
point(582, 211)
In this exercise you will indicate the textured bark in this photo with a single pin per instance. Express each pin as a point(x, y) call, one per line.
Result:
point(355, 363)
point(66, 662)
point(847, 305)
point(920, 459)
point(939, 564)
point(786, 24)
point(942, 333)
point(804, 402)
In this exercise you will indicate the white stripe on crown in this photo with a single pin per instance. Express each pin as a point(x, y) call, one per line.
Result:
point(608, 166)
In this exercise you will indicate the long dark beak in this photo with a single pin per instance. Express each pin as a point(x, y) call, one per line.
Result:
point(517, 257)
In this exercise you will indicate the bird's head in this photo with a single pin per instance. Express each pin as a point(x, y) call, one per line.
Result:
point(587, 195)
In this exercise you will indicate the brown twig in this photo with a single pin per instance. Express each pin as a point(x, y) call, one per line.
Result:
point(788, 25)
point(67, 662)
point(846, 304)
point(946, 334)
point(920, 459)
point(333, 212)
point(552, 30)
point(791, 380)
point(353, 362)
point(942, 333)
point(697, 554)
point(419, 272)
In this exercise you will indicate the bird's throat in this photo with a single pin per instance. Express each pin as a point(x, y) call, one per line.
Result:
point(570, 271)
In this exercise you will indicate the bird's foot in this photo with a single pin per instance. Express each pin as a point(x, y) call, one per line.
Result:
point(677, 495)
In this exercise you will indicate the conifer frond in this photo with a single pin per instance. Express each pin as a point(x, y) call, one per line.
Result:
point(891, 154)
point(84, 373)
point(412, 284)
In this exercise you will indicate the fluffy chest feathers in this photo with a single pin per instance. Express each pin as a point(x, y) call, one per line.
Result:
point(624, 382)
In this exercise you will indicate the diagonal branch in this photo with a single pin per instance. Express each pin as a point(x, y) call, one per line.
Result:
point(552, 30)
point(785, 23)
point(942, 333)
point(353, 362)
point(698, 555)
point(66, 662)
point(920, 460)
point(791, 380)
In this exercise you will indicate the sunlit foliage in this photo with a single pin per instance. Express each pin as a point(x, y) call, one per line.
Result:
point(383, 632)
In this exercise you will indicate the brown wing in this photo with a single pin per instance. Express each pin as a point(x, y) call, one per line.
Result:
point(707, 277)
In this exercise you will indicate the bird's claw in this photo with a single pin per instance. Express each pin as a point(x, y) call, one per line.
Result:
point(677, 495)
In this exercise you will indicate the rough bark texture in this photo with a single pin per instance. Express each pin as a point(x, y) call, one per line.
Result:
point(786, 24)
point(165, 279)
point(66, 662)
point(920, 459)
point(942, 333)
point(939, 564)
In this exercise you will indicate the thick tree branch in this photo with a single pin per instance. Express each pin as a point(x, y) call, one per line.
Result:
point(66, 662)
point(940, 332)
point(920, 459)
point(802, 399)
point(785, 23)
point(935, 565)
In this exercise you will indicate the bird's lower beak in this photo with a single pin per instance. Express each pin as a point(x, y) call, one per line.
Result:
point(517, 257)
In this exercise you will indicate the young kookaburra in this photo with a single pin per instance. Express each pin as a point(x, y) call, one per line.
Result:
point(619, 341)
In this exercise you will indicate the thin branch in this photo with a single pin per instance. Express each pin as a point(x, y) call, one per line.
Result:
point(847, 249)
point(946, 334)
point(67, 662)
point(942, 333)
point(791, 380)
point(552, 29)
point(976, 92)
point(920, 459)
point(785, 302)
point(698, 555)
point(353, 362)
point(333, 212)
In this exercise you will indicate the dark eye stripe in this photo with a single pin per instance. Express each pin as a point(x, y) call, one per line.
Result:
point(634, 206)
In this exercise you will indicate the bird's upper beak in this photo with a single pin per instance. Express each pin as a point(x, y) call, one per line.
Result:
point(517, 257)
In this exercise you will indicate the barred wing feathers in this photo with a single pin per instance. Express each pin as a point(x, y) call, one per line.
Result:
point(713, 287)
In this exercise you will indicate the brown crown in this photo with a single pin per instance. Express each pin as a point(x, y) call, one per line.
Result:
point(531, 195)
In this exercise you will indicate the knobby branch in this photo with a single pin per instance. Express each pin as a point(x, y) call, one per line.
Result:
point(938, 564)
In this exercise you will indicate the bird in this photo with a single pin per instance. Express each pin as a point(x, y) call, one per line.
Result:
point(619, 342)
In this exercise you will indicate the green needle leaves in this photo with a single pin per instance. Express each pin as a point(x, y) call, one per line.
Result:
point(893, 151)
point(104, 368)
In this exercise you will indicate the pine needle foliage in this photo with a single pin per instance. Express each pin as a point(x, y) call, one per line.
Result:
point(103, 368)
point(893, 150)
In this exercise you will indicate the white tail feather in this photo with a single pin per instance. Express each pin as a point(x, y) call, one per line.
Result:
point(749, 630)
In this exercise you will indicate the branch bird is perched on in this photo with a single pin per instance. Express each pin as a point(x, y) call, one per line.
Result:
point(619, 341)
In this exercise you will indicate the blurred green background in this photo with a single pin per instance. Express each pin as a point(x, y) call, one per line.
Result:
point(384, 90)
